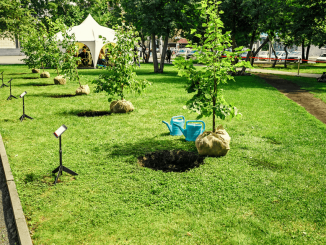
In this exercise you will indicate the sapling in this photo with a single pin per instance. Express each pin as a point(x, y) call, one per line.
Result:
point(120, 75)
point(208, 99)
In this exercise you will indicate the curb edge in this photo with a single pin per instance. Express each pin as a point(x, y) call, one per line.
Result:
point(21, 225)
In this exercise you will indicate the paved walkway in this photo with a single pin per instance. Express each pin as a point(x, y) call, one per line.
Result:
point(283, 73)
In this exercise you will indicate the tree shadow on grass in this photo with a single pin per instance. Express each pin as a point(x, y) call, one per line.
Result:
point(149, 145)
point(33, 84)
point(176, 155)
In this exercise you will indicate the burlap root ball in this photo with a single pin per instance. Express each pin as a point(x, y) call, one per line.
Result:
point(45, 74)
point(59, 80)
point(83, 89)
point(35, 70)
point(213, 143)
point(121, 106)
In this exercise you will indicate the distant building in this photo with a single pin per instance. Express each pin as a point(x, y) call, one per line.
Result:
point(9, 47)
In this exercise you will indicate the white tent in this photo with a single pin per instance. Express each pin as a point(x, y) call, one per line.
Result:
point(88, 33)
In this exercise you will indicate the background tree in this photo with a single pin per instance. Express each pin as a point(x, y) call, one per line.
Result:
point(156, 18)
point(73, 12)
point(14, 19)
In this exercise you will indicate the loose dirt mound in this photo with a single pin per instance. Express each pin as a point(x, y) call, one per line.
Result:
point(171, 161)
point(314, 106)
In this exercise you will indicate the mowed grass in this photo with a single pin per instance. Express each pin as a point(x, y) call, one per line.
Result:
point(315, 68)
point(269, 189)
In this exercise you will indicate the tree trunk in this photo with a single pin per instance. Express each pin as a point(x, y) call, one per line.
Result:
point(307, 53)
point(250, 47)
point(77, 76)
point(260, 47)
point(166, 40)
point(275, 57)
point(154, 55)
point(302, 56)
point(286, 56)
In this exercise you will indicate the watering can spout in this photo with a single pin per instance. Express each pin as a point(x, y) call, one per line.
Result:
point(169, 126)
point(181, 129)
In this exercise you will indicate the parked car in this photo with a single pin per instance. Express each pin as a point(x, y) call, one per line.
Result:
point(263, 55)
point(280, 56)
point(190, 54)
point(181, 52)
point(243, 56)
point(294, 56)
point(322, 58)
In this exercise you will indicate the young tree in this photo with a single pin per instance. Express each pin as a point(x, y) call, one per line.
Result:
point(42, 47)
point(208, 99)
point(120, 74)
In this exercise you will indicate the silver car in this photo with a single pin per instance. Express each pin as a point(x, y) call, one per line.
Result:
point(294, 56)
point(321, 58)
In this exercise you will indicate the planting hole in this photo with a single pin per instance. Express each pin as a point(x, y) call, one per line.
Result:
point(93, 113)
point(63, 95)
point(171, 161)
point(42, 85)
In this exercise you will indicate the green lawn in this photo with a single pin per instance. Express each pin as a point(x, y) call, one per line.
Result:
point(269, 189)
point(318, 68)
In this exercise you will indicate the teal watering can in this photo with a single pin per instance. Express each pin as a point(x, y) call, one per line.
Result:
point(177, 120)
point(192, 130)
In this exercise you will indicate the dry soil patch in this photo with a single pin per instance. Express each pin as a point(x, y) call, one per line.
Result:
point(314, 106)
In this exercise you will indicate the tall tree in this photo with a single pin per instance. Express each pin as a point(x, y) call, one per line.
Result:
point(307, 24)
point(14, 18)
point(158, 18)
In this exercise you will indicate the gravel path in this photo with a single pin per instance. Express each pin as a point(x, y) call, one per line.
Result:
point(8, 233)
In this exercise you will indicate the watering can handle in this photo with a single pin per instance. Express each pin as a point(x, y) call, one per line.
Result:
point(196, 121)
point(179, 116)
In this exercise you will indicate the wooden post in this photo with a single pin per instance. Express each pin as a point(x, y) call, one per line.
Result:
point(299, 66)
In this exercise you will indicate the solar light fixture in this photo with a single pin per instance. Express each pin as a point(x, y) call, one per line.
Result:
point(2, 85)
point(10, 96)
point(61, 168)
point(60, 131)
point(23, 94)
point(24, 115)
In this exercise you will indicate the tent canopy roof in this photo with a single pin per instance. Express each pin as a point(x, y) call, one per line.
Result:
point(88, 33)
point(89, 30)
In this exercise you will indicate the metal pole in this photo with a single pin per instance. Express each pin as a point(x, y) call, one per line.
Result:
point(60, 153)
point(23, 105)
point(299, 65)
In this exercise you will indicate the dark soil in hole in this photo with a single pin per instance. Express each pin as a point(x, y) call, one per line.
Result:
point(93, 113)
point(43, 84)
point(63, 95)
point(30, 77)
point(171, 161)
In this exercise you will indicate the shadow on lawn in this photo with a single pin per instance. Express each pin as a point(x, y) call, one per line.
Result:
point(159, 154)
point(149, 145)
point(33, 84)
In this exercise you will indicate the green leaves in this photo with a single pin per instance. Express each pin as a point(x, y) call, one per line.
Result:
point(120, 74)
point(217, 60)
